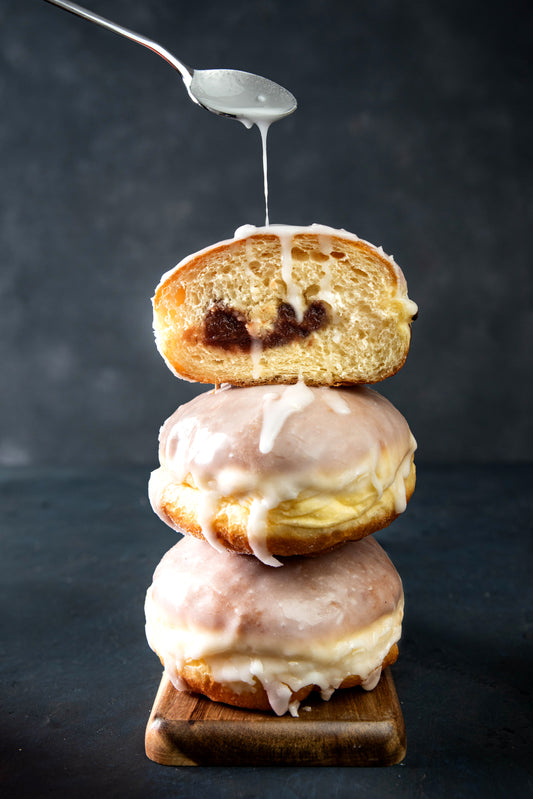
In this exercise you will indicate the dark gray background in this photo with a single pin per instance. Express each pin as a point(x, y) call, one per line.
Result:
point(413, 131)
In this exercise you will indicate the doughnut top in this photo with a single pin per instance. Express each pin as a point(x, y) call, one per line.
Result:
point(237, 598)
point(283, 439)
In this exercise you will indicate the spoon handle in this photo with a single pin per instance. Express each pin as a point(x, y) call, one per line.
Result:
point(185, 71)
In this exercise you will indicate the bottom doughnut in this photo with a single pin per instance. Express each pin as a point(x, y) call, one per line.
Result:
point(240, 632)
point(198, 679)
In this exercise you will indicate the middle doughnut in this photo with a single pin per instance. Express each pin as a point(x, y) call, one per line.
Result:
point(283, 470)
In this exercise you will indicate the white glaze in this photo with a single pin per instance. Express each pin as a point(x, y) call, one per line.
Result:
point(256, 352)
point(295, 295)
point(277, 407)
point(335, 401)
point(263, 124)
point(263, 130)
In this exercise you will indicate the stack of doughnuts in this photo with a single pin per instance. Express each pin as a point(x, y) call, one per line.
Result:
point(278, 476)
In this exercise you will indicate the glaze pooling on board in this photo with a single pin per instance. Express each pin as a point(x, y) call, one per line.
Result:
point(314, 622)
point(268, 444)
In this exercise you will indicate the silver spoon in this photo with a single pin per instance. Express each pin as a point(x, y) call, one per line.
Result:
point(228, 92)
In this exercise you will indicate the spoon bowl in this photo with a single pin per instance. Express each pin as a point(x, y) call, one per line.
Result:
point(237, 94)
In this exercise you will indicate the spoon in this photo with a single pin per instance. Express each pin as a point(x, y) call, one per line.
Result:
point(227, 92)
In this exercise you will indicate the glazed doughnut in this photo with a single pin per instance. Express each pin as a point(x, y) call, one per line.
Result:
point(280, 303)
point(240, 632)
point(283, 470)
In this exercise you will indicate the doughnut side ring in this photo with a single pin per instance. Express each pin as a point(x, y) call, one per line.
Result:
point(295, 527)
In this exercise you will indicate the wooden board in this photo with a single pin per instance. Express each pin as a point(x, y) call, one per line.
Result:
point(355, 728)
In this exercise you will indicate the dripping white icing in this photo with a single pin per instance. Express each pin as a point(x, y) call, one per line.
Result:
point(335, 401)
point(255, 354)
point(294, 292)
point(263, 125)
point(263, 130)
point(325, 293)
point(262, 119)
point(257, 346)
point(207, 510)
point(256, 529)
point(278, 407)
point(325, 245)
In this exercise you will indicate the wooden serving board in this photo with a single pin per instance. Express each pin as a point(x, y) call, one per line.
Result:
point(355, 728)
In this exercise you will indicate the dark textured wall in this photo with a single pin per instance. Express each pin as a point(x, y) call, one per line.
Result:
point(414, 131)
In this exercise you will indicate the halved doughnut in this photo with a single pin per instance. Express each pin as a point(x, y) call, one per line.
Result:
point(280, 303)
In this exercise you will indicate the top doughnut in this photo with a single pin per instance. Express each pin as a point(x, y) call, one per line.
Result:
point(281, 303)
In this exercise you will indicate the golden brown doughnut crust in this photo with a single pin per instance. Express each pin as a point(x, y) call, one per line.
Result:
point(178, 502)
point(198, 678)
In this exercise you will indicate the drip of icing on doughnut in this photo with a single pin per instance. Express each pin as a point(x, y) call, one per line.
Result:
point(256, 348)
point(278, 407)
point(294, 292)
point(334, 401)
point(208, 509)
point(256, 352)
point(256, 528)
point(325, 294)
point(398, 485)
point(276, 410)
point(325, 245)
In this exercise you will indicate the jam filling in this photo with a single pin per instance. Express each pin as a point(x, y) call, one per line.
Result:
point(226, 328)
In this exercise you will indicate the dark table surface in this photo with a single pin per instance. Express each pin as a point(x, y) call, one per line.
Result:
point(78, 551)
